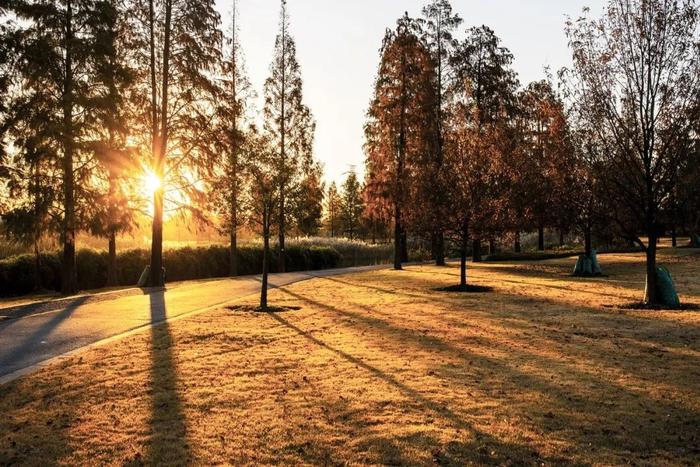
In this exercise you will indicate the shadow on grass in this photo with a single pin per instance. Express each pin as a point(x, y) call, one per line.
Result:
point(257, 309)
point(591, 406)
point(469, 288)
point(168, 428)
point(483, 447)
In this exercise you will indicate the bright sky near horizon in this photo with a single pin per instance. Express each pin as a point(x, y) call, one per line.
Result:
point(338, 45)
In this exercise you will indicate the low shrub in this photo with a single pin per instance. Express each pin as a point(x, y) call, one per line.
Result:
point(17, 273)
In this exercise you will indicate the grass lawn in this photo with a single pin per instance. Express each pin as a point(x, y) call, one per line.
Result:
point(381, 368)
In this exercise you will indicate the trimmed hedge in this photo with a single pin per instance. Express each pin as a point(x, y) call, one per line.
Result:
point(17, 272)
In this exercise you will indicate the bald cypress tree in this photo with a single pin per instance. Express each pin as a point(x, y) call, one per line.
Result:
point(228, 182)
point(288, 123)
point(183, 41)
point(53, 54)
point(439, 24)
point(397, 138)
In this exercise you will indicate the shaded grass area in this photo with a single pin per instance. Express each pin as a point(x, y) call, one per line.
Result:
point(380, 368)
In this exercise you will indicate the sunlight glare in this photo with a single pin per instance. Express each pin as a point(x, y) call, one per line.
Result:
point(152, 183)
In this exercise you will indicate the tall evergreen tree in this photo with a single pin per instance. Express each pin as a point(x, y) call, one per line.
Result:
point(351, 207)
point(332, 208)
point(307, 202)
point(440, 23)
point(56, 48)
point(184, 45)
point(396, 136)
point(228, 182)
point(484, 99)
point(288, 122)
point(112, 82)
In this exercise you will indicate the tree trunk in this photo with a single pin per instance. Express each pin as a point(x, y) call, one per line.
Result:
point(540, 238)
point(464, 241)
point(157, 276)
point(266, 260)
point(517, 247)
point(674, 237)
point(69, 282)
point(588, 244)
point(397, 237)
point(440, 249)
point(476, 250)
point(404, 246)
point(561, 238)
point(37, 265)
point(233, 259)
point(492, 246)
point(112, 260)
point(463, 261)
point(651, 298)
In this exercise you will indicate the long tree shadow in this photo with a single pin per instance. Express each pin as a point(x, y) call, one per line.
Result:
point(168, 428)
point(27, 351)
point(481, 446)
point(572, 405)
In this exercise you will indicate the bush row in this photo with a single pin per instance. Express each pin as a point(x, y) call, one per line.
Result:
point(17, 275)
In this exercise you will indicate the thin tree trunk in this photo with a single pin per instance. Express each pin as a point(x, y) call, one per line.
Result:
point(674, 237)
point(517, 247)
point(69, 283)
point(266, 259)
point(651, 297)
point(397, 237)
point(476, 250)
point(37, 264)
point(561, 238)
point(540, 238)
point(463, 264)
point(112, 260)
point(157, 270)
point(463, 256)
point(492, 246)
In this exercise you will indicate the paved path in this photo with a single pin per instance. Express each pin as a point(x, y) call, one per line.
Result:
point(37, 333)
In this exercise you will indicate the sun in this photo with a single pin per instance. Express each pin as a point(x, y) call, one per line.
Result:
point(151, 183)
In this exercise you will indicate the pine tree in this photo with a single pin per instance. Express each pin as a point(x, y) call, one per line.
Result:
point(288, 122)
point(352, 207)
point(307, 202)
point(332, 208)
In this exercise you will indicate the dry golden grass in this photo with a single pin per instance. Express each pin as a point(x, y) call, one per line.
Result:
point(379, 368)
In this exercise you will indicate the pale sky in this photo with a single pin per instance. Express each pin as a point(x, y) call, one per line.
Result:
point(338, 45)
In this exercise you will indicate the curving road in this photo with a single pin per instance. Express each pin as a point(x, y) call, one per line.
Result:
point(35, 334)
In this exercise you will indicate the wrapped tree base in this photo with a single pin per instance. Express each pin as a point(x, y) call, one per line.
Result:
point(588, 265)
point(143, 280)
point(666, 294)
point(695, 241)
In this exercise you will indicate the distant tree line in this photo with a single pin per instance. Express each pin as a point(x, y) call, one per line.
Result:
point(457, 149)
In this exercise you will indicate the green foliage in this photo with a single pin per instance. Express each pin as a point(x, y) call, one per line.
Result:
point(17, 272)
